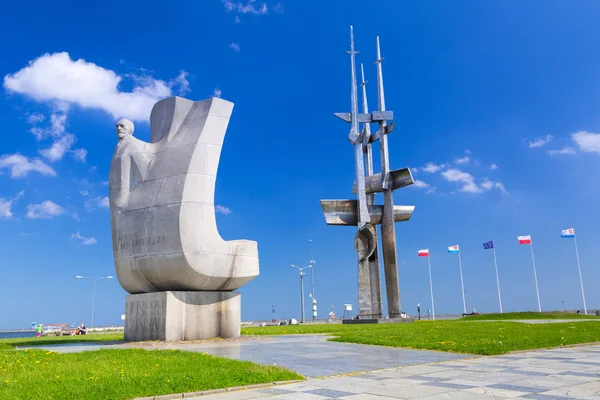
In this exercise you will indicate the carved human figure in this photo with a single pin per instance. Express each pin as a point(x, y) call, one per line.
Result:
point(164, 229)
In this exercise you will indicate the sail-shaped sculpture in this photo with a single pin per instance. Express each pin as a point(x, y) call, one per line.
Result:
point(165, 236)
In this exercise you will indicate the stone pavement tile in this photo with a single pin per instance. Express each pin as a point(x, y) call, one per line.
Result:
point(577, 362)
point(374, 377)
point(584, 389)
point(422, 369)
point(526, 372)
point(581, 374)
point(456, 386)
point(296, 396)
point(498, 393)
point(366, 396)
point(540, 396)
point(547, 382)
point(487, 378)
point(348, 383)
point(484, 360)
point(460, 395)
point(329, 393)
point(448, 374)
point(426, 377)
point(407, 392)
point(238, 395)
point(302, 387)
point(487, 367)
point(517, 388)
point(275, 391)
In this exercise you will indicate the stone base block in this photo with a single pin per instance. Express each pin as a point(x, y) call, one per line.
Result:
point(377, 321)
point(182, 315)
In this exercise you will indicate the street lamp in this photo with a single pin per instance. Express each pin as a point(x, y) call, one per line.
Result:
point(312, 281)
point(419, 310)
point(93, 291)
point(301, 287)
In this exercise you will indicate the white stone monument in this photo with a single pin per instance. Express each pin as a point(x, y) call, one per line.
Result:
point(180, 273)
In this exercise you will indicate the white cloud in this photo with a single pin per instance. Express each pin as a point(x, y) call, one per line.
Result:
point(466, 179)
point(493, 166)
point(35, 118)
point(420, 184)
point(104, 202)
point(433, 168)
point(217, 92)
point(249, 8)
point(80, 155)
point(487, 184)
point(462, 160)
point(563, 151)
point(59, 148)
point(84, 193)
point(46, 209)
point(6, 205)
point(56, 78)
point(587, 141)
point(91, 204)
point(237, 20)
point(278, 8)
point(56, 128)
point(20, 166)
point(500, 186)
point(223, 210)
point(84, 240)
point(235, 46)
point(431, 190)
point(541, 141)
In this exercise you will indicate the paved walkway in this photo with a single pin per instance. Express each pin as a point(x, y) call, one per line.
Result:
point(379, 373)
point(545, 375)
point(309, 355)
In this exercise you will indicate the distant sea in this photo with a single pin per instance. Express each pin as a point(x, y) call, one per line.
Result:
point(13, 334)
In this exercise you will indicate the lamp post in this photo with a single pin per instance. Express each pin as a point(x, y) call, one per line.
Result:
point(93, 291)
point(312, 281)
point(301, 287)
point(419, 310)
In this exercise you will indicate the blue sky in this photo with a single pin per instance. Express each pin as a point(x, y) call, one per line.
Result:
point(495, 106)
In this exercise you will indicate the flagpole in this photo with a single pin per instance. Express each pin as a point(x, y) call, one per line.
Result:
point(431, 286)
point(497, 279)
point(461, 283)
point(535, 276)
point(580, 279)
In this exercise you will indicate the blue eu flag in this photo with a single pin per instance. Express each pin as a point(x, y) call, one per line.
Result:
point(488, 245)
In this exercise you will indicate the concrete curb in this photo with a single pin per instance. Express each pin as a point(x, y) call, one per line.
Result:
point(216, 391)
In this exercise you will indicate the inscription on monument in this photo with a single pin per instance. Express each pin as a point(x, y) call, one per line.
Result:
point(130, 241)
point(145, 314)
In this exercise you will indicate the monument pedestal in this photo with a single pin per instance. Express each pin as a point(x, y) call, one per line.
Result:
point(179, 315)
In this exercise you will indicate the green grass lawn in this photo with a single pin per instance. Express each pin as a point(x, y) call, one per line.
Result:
point(123, 373)
point(460, 336)
point(529, 315)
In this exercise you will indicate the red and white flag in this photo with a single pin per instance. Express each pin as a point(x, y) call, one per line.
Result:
point(524, 239)
point(424, 253)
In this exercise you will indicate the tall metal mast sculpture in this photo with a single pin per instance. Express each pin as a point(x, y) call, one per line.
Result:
point(388, 229)
point(374, 280)
point(363, 212)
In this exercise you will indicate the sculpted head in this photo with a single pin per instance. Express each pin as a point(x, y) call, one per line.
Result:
point(124, 128)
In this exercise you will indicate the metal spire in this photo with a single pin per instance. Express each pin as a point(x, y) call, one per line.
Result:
point(363, 212)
